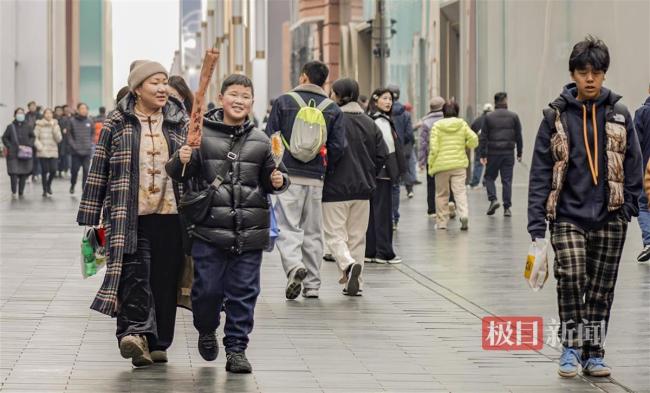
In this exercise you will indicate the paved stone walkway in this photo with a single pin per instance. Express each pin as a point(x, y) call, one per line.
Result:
point(416, 329)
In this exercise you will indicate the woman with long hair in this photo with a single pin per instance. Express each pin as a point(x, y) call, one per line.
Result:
point(179, 89)
point(48, 136)
point(129, 187)
point(379, 237)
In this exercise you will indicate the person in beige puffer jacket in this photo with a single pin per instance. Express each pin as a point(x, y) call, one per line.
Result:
point(48, 135)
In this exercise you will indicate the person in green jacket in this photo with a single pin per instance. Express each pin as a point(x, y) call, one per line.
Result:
point(448, 161)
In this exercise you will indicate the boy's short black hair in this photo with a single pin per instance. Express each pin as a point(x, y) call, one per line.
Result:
point(500, 97)
point(237, 79)
point(590, 51)
point(316, 71)
point(102, 110)
point(80, 104)
point(450, 109)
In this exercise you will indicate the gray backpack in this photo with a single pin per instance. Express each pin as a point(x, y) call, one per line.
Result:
point(309, 132)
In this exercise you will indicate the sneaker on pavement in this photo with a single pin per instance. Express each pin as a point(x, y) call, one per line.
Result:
point(136, 348)
point(596, 367)
point(494, 205)
point(395, 260)
point(329, 258)
point(294, 282)
point(310, 293)
point(644, 255)
point(464, 223)
point(237, 363)
point(159, 356)
point(369, 260)
point(359, 292)
point(352, 285)
point(208, 346)
point(507, 212)
point(71, 189)
point(441, 227)
point(569, 362)
point(410, 195)
point(452, 210)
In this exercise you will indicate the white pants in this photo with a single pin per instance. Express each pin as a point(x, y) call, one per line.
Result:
point(345, 225)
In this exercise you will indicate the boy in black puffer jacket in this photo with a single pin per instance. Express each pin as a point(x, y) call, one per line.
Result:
point(228, 243)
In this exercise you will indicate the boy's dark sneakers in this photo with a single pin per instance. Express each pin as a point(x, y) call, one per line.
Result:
point(208, 346)
point(353, 273)
point(294, 282)
point(644, 255)
point(237, 363)
point(494, 205)
point(329, 258)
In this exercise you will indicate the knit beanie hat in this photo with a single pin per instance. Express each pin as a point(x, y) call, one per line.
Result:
point(436, 103)
point(143, 69)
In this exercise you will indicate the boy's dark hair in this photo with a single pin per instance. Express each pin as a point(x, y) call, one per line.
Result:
point(347, 90)
point(178, 83)
point(590, 51)
point(102, 110)
point(80, 104)
point(374, 97)
point(316, 71)
point(237, 79)
point(500, 97)
point(450, 109)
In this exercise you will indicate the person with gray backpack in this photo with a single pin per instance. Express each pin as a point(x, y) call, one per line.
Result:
point(311, 127)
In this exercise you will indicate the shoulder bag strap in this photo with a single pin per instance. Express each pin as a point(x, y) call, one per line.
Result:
point(231, 157)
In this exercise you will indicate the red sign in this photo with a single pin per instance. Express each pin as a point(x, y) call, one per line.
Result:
point(513, 333)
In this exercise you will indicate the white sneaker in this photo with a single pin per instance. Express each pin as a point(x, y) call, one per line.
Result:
point(396, 259)
point(452, 210)
point(310, 293)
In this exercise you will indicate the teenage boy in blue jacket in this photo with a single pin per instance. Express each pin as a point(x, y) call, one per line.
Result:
point(585, 180)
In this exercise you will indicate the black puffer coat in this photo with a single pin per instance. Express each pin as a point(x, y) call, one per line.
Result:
point(239, 219)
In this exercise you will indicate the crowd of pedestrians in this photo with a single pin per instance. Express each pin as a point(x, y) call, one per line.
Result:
point(333, 194)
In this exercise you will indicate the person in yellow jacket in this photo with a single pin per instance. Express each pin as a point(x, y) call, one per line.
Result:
point(450, 137)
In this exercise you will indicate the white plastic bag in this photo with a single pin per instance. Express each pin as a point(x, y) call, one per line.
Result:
point(536, 271)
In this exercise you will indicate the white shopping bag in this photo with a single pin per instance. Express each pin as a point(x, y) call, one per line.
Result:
point(536, 271)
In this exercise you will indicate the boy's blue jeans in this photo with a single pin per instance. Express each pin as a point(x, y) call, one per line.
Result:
point(644, 219)
point(220, 275)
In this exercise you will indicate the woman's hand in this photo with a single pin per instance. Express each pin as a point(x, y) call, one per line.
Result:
point(185, 154)
point(277, 179)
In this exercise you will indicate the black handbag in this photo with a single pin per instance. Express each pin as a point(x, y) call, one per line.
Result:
point(195, 204)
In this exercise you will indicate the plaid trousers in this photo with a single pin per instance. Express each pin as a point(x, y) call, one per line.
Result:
point(586, 268)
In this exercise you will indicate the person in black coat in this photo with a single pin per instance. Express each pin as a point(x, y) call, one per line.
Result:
point(228, 242)
point(379, 237)
point(500, 135)
point(80, 141)
point(348, 187)
point(19, 134)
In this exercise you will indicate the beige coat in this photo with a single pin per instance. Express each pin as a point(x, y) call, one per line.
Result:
point(48, 136)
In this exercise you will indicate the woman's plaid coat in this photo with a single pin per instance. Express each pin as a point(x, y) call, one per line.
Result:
point(112, 188)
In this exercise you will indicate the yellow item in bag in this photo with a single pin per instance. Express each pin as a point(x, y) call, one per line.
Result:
point(536, 271)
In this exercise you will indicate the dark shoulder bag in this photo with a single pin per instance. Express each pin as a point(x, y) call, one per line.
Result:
point(24, 152)
point(195, 204)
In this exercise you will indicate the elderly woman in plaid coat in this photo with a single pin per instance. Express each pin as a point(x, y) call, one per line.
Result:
point(129, 188)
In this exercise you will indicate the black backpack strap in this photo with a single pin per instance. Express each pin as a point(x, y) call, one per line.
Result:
point(231, 157)
point(549, 117)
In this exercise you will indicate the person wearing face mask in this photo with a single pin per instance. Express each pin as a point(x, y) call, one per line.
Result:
point(128, 187)
point(80, 142)
point(379, 237)
point(48, 135)
point(18, 140)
